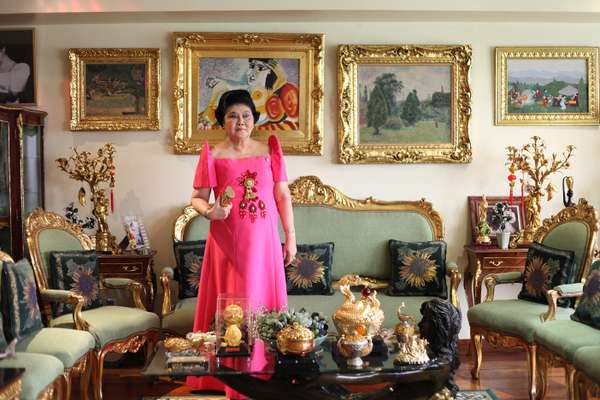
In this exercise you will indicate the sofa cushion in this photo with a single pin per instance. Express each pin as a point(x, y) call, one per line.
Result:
point(181, 319)
point(189, 256)
point(76, 271)
point(588, 309)
point(40, 371)
point(310, 271)
point(418, 268)
point(22, 303)
point(514, 317)
point(586, 360)
point(68, 345)
point(546, 267)
point(565, 337)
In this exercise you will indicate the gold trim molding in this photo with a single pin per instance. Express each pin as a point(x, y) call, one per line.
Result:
point(351, 151)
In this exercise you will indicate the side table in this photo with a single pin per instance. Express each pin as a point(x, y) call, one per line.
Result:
point(130, 265)
point(485, 260)
point(10, 383)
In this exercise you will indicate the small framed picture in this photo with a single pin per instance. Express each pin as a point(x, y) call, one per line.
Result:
point(136, 234)
point(17, 67)
point(514, 225)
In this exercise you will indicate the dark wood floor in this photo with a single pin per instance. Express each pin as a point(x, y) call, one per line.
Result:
point(503, 371)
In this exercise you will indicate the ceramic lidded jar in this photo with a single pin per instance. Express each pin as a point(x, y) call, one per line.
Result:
point(363, 315)
point(295, 339)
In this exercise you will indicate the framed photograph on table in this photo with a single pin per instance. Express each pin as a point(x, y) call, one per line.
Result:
point(17, 67)
point(283, 72)
point(136, 234)
point(514, 225)
point(404, 104)
point(115, 89)
point(547, 86)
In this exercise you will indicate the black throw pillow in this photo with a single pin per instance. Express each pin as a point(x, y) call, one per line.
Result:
point(310, 271)
point(76, 271)
point(546, 268)
point(588, 310)
point(189, 256)
point(418, 268)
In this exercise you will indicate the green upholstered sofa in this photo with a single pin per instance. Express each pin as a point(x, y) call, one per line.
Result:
point(360, 230)
point(587, 373)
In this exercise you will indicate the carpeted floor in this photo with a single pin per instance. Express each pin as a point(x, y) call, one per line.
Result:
point(465, 395)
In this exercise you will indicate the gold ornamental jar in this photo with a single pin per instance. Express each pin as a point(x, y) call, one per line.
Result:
point(295, 339)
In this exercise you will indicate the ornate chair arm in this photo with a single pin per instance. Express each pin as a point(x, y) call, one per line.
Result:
point(68, 297)
point(501, 278)
point(126, 283)
point(455, 277)
point(560, 292)
point(166, 276)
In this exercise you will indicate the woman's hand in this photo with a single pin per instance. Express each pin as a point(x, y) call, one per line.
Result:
point(217, 211)
point(289, 250)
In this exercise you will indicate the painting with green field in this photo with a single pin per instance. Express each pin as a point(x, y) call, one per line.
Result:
point(404, 104)
point(115, 89)
point(547, 86)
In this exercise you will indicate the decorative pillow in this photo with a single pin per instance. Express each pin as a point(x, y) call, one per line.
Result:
point(18, 287)
point(310, 272)
point(546, 268)
point(189, 256)
point(76, 271)
point(418, 268)
point(588, 309)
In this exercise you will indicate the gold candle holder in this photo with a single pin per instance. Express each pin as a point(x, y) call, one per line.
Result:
point(82, 166)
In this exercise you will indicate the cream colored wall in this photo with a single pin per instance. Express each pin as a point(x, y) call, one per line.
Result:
point(155, 183)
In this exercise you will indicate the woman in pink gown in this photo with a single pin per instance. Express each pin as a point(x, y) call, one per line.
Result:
point(243, 254)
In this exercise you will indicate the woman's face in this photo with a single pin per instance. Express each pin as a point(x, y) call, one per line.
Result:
point(239, 121)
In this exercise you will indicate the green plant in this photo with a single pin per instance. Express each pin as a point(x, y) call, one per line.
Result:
point(268, 323)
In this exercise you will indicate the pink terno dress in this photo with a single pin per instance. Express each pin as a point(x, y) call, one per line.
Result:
point(243, 253)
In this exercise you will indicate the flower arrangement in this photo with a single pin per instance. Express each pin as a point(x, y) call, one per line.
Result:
point(501, 215)
point(268, 323)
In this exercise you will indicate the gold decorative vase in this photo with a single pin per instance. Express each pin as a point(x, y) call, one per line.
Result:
point(295, 339)
point(363, 316)
point(353, 347)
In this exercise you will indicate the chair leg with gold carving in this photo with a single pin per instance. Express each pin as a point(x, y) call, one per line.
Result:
point(98, 373)
point(532, 363)
point(85, 374)
point(66, 385)
point(542, 375)
point(476, 339)
point(570, 379)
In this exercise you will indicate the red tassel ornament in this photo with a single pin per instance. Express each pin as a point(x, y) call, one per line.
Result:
point(511, 182)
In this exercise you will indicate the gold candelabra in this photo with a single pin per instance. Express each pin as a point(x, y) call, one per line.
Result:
point(536, 168)
point(82, 166)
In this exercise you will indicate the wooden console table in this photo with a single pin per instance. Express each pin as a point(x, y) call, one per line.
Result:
point(487, 260)
point(133, 266)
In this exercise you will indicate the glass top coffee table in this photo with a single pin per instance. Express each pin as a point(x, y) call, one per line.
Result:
point(321, 375)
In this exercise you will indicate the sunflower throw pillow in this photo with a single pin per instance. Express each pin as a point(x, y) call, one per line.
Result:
point(545, 268)
point(588, 309)
point(76, 271)
point(189, 256)
point(418, 268)
point(310, 272)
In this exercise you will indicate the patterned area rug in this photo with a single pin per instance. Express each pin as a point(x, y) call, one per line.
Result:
point(464, 395)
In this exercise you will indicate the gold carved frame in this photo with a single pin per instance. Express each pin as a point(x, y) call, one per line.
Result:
point(351, 151)
point(189, 48)
point(503, 54)
point(150, 121)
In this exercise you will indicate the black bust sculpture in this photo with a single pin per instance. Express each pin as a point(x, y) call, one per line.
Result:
point(440, 325)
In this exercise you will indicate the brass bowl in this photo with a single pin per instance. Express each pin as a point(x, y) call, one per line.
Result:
point(295, 339)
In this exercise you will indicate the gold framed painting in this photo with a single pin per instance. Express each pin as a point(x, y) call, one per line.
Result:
point(115, 89)
point(404, 104)
point(546, 86)
point(283, 72)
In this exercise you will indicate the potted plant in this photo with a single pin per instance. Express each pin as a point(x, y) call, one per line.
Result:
point(268, 323)
point(501, 215)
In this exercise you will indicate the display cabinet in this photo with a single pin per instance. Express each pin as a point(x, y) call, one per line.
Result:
point(21, 173)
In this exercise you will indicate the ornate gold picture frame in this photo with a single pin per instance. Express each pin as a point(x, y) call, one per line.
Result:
point(404, 104)
point(115, 89)
point(282, 71)
point(546, 86)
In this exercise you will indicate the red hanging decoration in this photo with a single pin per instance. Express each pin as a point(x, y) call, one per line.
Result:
point(112, 201)
point(511, 182)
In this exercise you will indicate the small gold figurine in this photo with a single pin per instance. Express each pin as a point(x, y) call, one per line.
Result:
point(233, 315)
point(483, 228)
point(406, 327)
point(412, 351)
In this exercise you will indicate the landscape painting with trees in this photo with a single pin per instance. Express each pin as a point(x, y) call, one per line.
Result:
point(547, 86)
point(404, 104)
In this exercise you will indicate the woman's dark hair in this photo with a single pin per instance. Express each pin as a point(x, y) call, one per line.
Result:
point(232, 98)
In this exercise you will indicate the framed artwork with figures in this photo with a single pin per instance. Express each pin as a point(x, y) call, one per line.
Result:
point(17, 67)
point(514, 225)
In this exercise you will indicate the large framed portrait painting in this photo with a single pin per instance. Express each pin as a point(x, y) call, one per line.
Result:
point(17, 67)
point(282, 73)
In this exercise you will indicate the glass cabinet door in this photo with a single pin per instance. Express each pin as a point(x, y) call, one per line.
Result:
point(32, 169)
point(4, 192)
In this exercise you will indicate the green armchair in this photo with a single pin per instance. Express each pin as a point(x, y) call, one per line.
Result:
point(512, 323)
point(115, 328)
